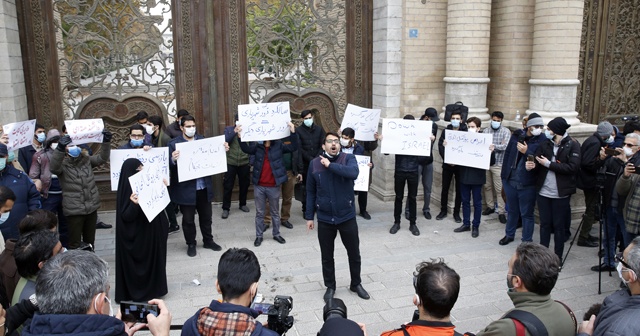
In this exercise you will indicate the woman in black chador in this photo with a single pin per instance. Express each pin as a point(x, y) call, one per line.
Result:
point(141, 246)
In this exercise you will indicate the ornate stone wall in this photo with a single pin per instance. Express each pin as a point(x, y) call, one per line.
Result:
point(13, 98)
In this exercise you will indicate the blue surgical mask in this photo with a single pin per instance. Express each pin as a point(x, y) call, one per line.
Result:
point(137, 142)
point(4, 217)
point(548, 134)
point(260, 142)
point(11, 157)
point(41, 137)
point(75, 151)
point(455, 123)
point(3, 163)
point(308, 122)
point(495, 124)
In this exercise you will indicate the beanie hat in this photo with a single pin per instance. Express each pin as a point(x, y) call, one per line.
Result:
point(534, 120)
point(558, 126)
point(605, 129)
point(3, 150)
point(53, 132)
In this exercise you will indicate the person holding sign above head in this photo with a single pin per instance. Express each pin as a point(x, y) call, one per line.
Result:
point(81, 199)
point(136, 138)
point(141, 245)
point(471, 182)
point(25, 154)
point(269, 174)
point(311, 137)
point(192, 195)
point(450, 170)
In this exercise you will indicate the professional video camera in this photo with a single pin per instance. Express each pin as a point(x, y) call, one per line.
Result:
point(334, 308)
point(278, 318)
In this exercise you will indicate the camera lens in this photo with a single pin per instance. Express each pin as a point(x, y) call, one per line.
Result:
point(334, 308)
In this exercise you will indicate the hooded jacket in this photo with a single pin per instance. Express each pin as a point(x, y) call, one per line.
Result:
point(513, 164)
point(27, 198)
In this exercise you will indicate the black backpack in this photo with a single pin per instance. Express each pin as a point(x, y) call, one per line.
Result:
point(457, 106)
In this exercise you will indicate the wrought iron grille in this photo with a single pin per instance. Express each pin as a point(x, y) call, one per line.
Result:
point(296, 44)
point(114, 48)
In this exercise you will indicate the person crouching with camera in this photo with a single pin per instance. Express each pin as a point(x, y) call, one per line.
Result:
point(238, 276)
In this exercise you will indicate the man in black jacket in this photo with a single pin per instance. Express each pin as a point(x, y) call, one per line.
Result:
point(311, 138)
point(449, 171)
point(592, 158)
point(426, 168)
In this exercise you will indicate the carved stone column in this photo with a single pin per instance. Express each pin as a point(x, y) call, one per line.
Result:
point(468, 41)
point(13, 98)
point(556, 57)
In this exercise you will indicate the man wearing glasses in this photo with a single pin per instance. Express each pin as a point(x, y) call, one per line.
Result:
point(628, 187)
point(330, 183)
point(620, 310)
point(136, 138)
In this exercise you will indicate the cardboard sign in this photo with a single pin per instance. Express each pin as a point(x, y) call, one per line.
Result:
point(155, 158)
point(406, 137)
point(362, 182)
point(153, 196)
point(85, 130)
point(468, 149)
point(20, 134)
point(364, 121)
point(201, 158)
point(264, 121)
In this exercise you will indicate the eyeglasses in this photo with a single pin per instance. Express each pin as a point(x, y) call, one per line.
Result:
point(332, 141)
point(620, 258)
point(629, 145)
point(137, 136)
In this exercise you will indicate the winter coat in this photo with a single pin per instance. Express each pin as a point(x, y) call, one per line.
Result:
point(27, 198)
point(276, 150)
point(235, 155)
point(162, 140)
point(462, 128)
point(590, 161)
point(184, 193)
point(566, 165)
point(311, 140)
point(513, 164)
point(83, 324)
point(475, 176)
point(81, 196)
point(173, 130)
point(40, 170)
point(618, 315)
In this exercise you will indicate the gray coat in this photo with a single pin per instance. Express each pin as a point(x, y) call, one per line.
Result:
point(79, 190)
point(619, 315)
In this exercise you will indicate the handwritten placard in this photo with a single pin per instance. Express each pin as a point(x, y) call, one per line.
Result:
point(20, 134)
point(264, 121)
point(201, 158)
point(363, 120)
point(468, 149)
point(84, 131)
point(153, 195)
point(362, 182)
point(155, 158)
point(406, 137)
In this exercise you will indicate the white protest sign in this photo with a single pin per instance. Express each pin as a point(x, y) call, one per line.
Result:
point(261, 122)
point(362, 182)
point(406, 137)
point(84, 131)
point(155, 158)
point(468, 149)
point(20, 134)
point(364, 121)
point(153, 195)
point(201, 158)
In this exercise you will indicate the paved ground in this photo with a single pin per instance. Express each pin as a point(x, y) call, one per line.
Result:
point(387, 265)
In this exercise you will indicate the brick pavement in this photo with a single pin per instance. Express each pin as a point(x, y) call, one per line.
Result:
point(387, 265)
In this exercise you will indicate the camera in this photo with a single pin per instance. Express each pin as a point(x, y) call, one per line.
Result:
point(278, 318)
point(630, 118)
point(334, 308)
point(137, 311)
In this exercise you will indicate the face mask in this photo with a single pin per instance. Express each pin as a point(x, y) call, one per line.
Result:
point(149, 129)
point(11, 157)
point(628, 151)
point(344, 142)
point(610, 139)
point(548, 134)
point(4, 217)
point(619, 269)
point(455, 123)
point(495, 124)
point(327, 155)
point(472, 130)
point(95, 306)
point(136, 142)
point(74, 151)
point(54, 145)
point(308, 122)
point(41, 137)
point(3, 163)
point(509, 288)
point(260, 142)
point(536, 131)
point(190, 132)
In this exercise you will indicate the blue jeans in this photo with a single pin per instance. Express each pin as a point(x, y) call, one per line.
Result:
point(467, 191)
point(615, 223)
point(260, 196)
point(521, 203)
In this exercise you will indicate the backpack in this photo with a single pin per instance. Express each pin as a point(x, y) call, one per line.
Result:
point(524, 320)
point(457, 106)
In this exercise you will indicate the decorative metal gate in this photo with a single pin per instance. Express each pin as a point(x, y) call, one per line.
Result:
point(610, 61)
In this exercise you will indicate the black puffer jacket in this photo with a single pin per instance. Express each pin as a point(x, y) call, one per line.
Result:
point(462, 128)
point(590, 161)
point(310, 144)
point(566, 165)
point(409, 163)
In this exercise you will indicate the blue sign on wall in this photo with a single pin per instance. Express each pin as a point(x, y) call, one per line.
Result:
point(413, 33)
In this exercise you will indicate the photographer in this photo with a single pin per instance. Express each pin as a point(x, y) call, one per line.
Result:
point(238, 276)
point(627, 187)
point(437, 287)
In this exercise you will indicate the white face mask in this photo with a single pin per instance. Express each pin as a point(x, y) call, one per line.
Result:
point(472, 130)
point(628, 151)
point(95, 306)
point(619, 269)
point(149, 129)
point(54, 145)
point(344, 142)
point(610, 139)
point(190, 132)
point(536, 131)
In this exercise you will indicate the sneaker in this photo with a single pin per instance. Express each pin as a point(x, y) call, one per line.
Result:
point(414, 230)
point(365, 215)
point(212, 246)
point(502, 218)
point(457, 218)
point(394, 228)
point(426, 214)
point(488, 211)
point(191, 250)
point(244, 208)
point(287, 224)
point(441, 215)
point(225, 214)
point(174, 229)
point(103, 225)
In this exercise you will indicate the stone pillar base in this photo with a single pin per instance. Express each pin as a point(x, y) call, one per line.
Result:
point(552, 98)
point(470, 91)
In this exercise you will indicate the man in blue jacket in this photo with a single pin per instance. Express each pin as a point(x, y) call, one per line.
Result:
point(27, 196)
point(330, 181)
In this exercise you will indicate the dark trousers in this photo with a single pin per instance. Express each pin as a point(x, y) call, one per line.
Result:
point(170, 210)
point(203, 206)
point(616, 232)
point(447, 175)
point(53, 203)
point(467, 191)
point(82, 228)
point(411, 179)
point(554, 215)
point(362, 200)
point(229, 181)
point(521, 203)
point(349, 235)
point(590, 200)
